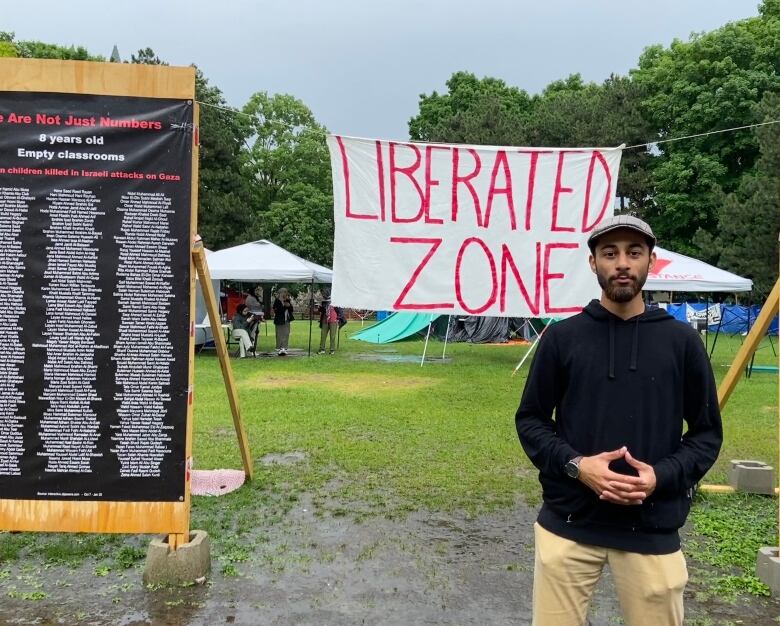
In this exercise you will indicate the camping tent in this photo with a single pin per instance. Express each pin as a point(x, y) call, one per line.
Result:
point(677, 272)
point(265, 262)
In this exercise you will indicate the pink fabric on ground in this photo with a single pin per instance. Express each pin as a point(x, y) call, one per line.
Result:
point(215, 482)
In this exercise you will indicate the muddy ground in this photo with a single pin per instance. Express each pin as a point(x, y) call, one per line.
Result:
point(323, 569)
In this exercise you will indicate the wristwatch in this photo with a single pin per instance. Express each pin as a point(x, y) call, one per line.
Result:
point(572, 467)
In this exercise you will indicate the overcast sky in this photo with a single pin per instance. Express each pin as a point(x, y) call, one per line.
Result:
point(361, 65)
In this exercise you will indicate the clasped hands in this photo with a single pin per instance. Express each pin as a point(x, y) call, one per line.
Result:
point(614, 487)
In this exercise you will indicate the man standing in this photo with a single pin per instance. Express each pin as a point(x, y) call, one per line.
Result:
point(616, 470)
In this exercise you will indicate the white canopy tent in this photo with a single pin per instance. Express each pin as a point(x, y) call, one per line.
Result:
point(263, 261)
point(677, 272)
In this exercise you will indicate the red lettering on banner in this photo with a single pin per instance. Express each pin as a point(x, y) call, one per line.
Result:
point(430, 182)
point(345, 171)
point(407, 171)
point(548, 276)
point(380, 168)
point(508, 262)
point(596, 156)
point(399, 303)
point(465, 180)
point(529, 201)
point(559, 189)
point(501, 162)
point(458, 290)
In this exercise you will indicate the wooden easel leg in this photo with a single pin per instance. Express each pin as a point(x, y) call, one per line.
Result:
point(749, 346)
point(199, 258)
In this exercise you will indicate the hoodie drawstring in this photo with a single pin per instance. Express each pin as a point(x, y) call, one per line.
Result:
point(611, 348)
point(634, 346)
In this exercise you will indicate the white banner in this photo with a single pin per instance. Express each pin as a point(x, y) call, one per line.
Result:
point(471, 230)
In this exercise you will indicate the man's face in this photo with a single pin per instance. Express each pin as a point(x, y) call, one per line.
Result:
point(621, 262)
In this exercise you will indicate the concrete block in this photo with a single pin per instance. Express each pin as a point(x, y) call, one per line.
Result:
point(768, 569)
point(174, 567)
point(752, 477)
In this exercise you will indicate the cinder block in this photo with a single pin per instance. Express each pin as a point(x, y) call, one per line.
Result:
point(174, 567)
point(768, 569)
point(752, 477)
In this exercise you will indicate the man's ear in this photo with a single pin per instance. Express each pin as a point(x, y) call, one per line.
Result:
point(652, 261)
point(592, 262)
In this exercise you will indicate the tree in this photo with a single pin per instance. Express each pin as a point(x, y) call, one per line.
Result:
point(40, 50)
point(146, 56)
point(7, 47)
point(224, 203)
point(302, 221)
point(225, 213)
point(749, 218)
point(290, 169)
point(572, 113)
point(478, 111)
point(709, 83)
point(567, 113)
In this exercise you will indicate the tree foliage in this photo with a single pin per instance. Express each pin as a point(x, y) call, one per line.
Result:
point(10, 47)
point(478, 111)
point(567, 113)
point(224, 184)
point(749, 218)
point(711, 82)
point(290, 169)
point(224, 205)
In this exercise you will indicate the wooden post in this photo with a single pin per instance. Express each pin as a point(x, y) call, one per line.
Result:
point(199, 257)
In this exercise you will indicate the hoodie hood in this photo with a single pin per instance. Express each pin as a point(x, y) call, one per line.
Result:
point(597, 311)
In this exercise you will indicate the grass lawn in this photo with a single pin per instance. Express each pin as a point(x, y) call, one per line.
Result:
point(389, 437)
point(439, 436)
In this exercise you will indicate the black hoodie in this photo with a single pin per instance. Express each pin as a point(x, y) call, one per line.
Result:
point(613, 383)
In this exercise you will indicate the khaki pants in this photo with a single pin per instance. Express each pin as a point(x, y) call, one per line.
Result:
point(331, 328)
point(649, 586)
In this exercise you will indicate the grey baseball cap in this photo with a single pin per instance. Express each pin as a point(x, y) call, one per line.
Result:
point(621, 221)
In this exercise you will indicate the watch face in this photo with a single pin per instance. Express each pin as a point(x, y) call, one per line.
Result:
point(572, 469)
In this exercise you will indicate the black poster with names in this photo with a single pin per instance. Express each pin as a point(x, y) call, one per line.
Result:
point(95, 195)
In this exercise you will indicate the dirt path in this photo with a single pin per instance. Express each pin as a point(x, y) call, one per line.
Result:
point(309, 569)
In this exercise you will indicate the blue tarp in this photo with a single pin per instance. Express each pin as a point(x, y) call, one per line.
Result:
point(734, 318)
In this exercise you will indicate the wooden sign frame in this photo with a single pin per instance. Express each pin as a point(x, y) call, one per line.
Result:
point(110, 79)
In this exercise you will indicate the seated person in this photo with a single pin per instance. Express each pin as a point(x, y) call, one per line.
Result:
point(244, 324)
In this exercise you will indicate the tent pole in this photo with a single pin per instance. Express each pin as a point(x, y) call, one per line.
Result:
point(706, 320)
point(531, 349)
point(446, 336)
point(427, 336)
point(311, 308)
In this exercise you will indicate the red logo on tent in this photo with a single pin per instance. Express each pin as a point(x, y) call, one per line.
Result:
point(660, 264)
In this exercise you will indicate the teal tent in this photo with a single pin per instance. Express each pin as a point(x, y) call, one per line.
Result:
point(395, 327)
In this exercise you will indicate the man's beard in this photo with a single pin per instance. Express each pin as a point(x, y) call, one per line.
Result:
point(622, 293)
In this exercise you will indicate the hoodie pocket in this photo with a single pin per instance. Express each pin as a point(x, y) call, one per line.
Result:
point(667, 513)
point(569, 499)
